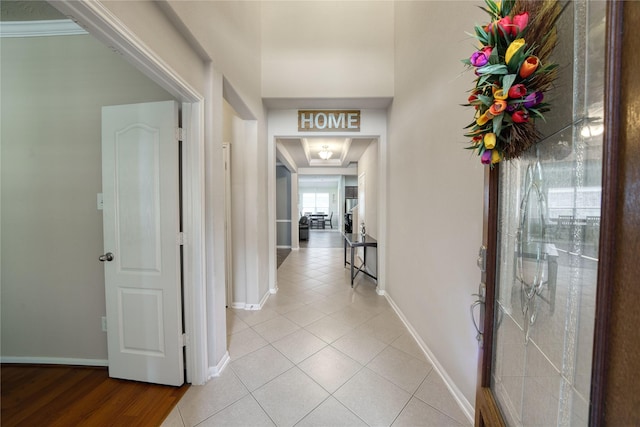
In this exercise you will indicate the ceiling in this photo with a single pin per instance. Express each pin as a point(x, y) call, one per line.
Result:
point(303, 152)
point(293, 152)
point(23, 10)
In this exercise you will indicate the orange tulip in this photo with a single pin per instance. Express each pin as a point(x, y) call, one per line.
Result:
point(529, 66)
point(497, 107)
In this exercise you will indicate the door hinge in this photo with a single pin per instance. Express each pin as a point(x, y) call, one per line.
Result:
point(179, 134)
point(181, 238)
point(482, 259)
point(185, 340)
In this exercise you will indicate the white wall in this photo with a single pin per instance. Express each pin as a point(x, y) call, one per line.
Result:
point(53, 89)
point(228, 33)
point(160, 36)
point(325, 49)
point(435, 187)
point(368, 165)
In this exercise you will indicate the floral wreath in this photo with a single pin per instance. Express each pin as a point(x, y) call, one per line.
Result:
point(513, 73)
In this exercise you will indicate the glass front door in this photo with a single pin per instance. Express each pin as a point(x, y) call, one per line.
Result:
point(548, 230)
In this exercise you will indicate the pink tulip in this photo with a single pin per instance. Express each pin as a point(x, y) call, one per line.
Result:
point(505, 26)
point(520, 22)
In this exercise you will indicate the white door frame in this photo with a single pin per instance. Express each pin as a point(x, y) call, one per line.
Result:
point(228, 230)
point(101, 23)
point(283, 124)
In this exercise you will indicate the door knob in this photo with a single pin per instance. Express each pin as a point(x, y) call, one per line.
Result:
point(106, 257)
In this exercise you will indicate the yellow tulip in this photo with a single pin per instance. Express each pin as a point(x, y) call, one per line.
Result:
point(490, 140)
point(513, 48)
point(500, 95)
point(495, 157)
point(483, 119)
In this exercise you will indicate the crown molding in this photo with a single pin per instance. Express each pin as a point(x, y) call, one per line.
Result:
point(57, 27)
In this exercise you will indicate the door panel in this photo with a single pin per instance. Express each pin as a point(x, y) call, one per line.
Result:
point(547, 228)
point(141, 229)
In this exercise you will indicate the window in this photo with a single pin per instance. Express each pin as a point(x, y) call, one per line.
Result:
point(577, 202)
point(315, 202)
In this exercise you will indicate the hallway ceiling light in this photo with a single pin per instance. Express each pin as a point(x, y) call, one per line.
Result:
point(325, 154)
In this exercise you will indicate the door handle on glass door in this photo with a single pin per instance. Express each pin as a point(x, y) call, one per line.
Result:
point(473, 319)
point(106, 257)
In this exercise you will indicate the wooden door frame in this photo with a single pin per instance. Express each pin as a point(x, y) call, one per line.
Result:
point(487, 412)
point(616, 358)
point(606, 255)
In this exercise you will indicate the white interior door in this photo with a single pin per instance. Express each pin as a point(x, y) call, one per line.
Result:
point(140, 187)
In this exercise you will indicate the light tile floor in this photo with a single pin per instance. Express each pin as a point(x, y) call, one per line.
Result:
point(320, 354)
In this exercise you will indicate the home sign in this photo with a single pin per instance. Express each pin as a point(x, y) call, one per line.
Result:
point(328, 120)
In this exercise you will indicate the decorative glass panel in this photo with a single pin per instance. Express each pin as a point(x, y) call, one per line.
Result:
point(549, 227)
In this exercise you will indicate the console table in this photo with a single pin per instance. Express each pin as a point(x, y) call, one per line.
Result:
point(354, 241)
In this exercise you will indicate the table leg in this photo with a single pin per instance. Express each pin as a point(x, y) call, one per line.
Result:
point(345, 252)
point(352, 250)
point(364, 256)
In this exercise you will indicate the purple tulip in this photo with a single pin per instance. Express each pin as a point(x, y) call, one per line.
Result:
point(533, 99)
point(513, 107)
point(486, 157)
point(481, 57)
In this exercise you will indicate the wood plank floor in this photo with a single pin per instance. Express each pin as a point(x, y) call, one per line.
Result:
point(53, 395)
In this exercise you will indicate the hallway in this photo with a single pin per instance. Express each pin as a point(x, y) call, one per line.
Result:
point(323, 239)
point(320, 354)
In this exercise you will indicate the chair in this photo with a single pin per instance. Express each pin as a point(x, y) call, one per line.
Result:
point(328, 221)
point(592, 229)
point(565, 228)
point(317, 220)
point(303, 228)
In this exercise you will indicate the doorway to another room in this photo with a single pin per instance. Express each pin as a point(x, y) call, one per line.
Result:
point(321, 203)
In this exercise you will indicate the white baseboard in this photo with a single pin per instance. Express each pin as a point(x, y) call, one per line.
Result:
point(466, 407)
point(283, 246)
point(264, 300)
point(215, 371)
point(245, 306)
point(54, 361)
